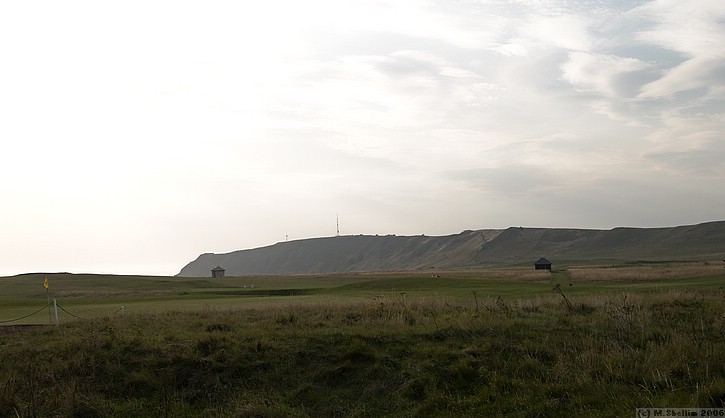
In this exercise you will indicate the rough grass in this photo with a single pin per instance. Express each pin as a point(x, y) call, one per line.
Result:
point(493, 342)
point(663, 271)
point(387, 355)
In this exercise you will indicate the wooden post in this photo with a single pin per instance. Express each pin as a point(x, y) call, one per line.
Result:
point(557, 288)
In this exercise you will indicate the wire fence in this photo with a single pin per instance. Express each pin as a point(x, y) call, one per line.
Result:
point(57, 306)
point(26, 316)
point(71, 314)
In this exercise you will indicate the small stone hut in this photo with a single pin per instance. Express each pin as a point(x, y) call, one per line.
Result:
point(217, 272)
point(542, 264)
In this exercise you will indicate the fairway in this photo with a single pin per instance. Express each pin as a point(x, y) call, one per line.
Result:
point(86, 296)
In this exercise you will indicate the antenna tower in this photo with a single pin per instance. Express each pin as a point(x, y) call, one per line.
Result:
point(337, 218)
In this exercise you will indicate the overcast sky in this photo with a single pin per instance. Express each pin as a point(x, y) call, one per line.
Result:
point(136, 135)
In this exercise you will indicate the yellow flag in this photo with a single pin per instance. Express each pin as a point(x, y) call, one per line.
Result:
point(45, 283)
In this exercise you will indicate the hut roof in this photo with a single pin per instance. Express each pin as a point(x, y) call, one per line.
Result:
point(542, 260)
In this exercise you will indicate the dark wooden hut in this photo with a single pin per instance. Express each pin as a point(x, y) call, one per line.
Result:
point(217, 272)
point(542, 264)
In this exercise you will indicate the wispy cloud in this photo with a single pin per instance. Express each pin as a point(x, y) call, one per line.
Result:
point(674, 28)
point(407, 116)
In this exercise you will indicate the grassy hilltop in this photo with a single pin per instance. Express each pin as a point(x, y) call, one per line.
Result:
point(470, 249)
point(451, 343)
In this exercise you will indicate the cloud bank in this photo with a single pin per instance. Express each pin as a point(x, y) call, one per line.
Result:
point(138, 135)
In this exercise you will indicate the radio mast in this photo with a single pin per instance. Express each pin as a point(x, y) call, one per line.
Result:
point(337, 218)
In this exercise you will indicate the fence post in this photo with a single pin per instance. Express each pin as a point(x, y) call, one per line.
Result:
point(123, 310)
point(55, 307)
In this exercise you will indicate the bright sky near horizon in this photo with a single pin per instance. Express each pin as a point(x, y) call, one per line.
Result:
point(137, 135)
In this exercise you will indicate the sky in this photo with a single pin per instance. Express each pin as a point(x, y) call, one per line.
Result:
point(136, 135)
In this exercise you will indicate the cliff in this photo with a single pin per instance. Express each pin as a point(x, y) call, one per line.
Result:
point(468, 249)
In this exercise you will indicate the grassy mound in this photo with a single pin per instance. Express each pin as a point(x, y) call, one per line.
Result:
point(394, 355)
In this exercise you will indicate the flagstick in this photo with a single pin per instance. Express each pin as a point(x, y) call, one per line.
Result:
point(47, 293)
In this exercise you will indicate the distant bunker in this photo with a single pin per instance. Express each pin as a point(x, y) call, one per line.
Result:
point(542, 264)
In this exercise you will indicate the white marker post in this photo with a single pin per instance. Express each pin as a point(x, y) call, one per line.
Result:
point(55, 307)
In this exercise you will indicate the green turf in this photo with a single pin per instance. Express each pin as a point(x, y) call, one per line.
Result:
point(87, 295)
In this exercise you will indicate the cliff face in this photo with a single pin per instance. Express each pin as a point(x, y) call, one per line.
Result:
point(467, 249)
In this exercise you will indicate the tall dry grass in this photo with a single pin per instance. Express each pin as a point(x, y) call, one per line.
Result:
point(647, 272)
point(392, 354)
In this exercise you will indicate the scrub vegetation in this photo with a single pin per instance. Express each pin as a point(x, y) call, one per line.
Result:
point(457, 343)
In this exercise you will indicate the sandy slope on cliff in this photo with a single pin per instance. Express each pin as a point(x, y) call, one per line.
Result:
point(469, 248)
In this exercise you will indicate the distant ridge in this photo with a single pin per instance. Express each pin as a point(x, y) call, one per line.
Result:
point(486, 247)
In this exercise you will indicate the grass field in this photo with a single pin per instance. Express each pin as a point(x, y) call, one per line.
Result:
point(88, 296)
point(497, 342)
